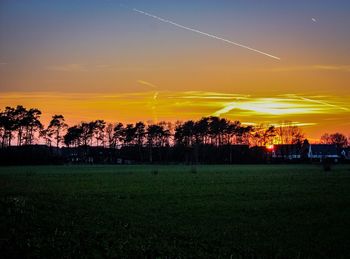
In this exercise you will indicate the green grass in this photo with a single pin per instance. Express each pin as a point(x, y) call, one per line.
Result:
point(279, 211)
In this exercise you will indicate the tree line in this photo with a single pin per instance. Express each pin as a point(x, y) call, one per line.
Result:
point(22, 126)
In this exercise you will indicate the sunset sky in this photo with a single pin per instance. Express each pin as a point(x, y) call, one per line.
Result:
point(100, 59)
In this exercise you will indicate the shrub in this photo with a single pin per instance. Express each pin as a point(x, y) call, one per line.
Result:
point(193, 170)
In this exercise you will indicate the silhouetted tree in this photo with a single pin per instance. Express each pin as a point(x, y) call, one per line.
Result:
point(98, 129)
point(20, 119)
point(192, 140)
point(110, 136)
point(25, 122)
point(8, 125)
point(56, 127)
point(326, 139)
point(46, 135)
point(338, 139)
point(140, 134)
point(32, 125)
point(201, 130)
point(188, 133)
point(243, 134)
point(73, 136)
point(87, 132)
point(233, 131)
point(263, 135)
point(119, 134)
point(179, 134)
point(155, 137)
point(217, 129)
point(2, 130)
point(130, 131)
point(3, 120)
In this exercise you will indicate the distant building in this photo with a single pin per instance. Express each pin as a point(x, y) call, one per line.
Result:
point(286, 151)
point(321, 151)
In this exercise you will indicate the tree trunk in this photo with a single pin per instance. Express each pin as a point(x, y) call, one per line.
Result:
point(57, 138)
point(150, 154)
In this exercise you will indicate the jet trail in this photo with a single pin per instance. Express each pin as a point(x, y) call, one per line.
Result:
point(321, 102)
point(204, 33)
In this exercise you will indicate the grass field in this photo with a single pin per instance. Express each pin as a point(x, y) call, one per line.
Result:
point(279, 211)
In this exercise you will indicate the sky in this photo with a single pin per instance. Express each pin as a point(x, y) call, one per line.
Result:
point(96, 59)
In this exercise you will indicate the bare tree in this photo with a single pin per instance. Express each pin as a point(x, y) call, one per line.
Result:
point(337, 138)
point(287, 133)
point(263, 135)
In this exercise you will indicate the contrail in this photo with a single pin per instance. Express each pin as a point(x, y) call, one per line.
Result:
point(320, 102)
point(204, 33)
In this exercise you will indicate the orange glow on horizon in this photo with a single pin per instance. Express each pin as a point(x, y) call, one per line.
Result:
point(270, 147)
point(315, 114)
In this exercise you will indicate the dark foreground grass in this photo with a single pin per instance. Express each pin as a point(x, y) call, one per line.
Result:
point(278, 211)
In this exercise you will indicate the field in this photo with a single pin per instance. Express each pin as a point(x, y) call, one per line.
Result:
point(261, 211)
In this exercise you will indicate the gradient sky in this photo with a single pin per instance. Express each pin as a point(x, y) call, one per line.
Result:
point(95, 59)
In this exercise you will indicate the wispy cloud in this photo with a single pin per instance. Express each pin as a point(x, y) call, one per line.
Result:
point(322, 102)
point(343, 68)
point(209, 95)
point(3, 63)
point(302, 109)
point(153, 103)
point(221, 103)
point(142, 82)
point(285, 105)
point(293, 123)
point(68, 68)
point(337, 68)
point(104, 66)
point(269, 106)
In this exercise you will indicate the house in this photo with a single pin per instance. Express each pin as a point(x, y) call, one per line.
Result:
point(322, 151)
point(286, 151)
point(345, 153)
